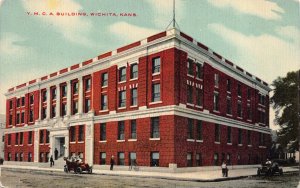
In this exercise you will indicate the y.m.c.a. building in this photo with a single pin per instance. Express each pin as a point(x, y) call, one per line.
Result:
point(165, 100)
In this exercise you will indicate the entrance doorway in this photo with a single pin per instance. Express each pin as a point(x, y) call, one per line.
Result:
point(60, 146)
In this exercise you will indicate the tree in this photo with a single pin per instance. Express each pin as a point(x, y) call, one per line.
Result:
point(285, 102)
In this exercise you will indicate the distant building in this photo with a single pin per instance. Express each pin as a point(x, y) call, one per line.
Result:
point(2, 128)
point(165, 100)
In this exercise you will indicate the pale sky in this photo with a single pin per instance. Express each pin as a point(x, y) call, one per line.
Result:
point(262, 37)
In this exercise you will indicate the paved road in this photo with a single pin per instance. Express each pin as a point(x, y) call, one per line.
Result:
point(60, 179)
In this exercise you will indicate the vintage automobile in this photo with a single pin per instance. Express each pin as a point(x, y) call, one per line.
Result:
point(269, 169)
point(77, 166)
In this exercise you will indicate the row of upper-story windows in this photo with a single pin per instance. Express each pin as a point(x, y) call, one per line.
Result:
point(19, 138)
point(155, 133)
point(77, 133)
point(249, 137)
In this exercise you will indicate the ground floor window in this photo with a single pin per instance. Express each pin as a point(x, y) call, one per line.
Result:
point(154, 161)
point(29, 157)
point(228, 157)
point(121, 158)
point(9, 157)
point(16, 156)
point(216, 159)
point(21, 156)
point(132, 158)
point(238, 159)
point(189, 159)
point(198, 159)
point(102, 158)
point(41, 157)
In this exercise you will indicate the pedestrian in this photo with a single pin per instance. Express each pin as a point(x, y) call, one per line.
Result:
point(56, 153)
point(112, 162)
point(51, 161)
point(224, 169)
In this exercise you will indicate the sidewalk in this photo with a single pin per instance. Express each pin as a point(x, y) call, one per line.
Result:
point(203, 176)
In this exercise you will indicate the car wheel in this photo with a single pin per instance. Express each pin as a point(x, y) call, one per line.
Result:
point(79, 170)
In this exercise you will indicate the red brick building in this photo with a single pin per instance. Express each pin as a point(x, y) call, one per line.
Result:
point(164, 100)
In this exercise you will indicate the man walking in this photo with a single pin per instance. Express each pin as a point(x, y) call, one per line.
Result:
point(112, 162)
point(51, 161)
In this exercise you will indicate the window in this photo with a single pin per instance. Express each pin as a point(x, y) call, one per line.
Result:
point(53, 111)
point(239, 159)
point(228, 85)
point(190, 66)
point(228, 106)
point(134, 97)
point(216, 80)
point(3, 138)
point(44, 96)
point(122, 74)
point(18, 102)
point(198, 159)
point(240, 136)
point(133, 129)
point(154, 160)
point(21, 138)
point(87, 84)
point(10, 104)
point(75, 107)
point(216, 159)
point(102, 158)
point(10, 119)
point(41, 157)
point(199, 130)
point(21, 156)
point(81, 133)
point(155, 92)
point(239, 90)
point(103, 102)
point(22, 117)
point(31, 115)
point(216, 101)
point(104, 80)
point(228, 134)
point(155, 127)
point(9, 156)
point(17, 139)
point(189, 159)
point(72, 134)
point(64, 90)
point(18, 117)
point(30, 137)
point(47, 136)
point(44, 112)
point(23, 101)
point(121, 128)
point(199, 97)
point(87, 105)
point(121, 158)
point(63, 109)
point(16, 156)
point(249, 94)
point(132, 158)
point(31, 99)
point(217, 133)
point(41, 136)
point(199, 71)
point(102, 131)
point(134, 71)
point(249, 112)
point(53, 93)
point(9, 139)
point(228, 157)
point(122, 98)
point(239, 109)
point(75, 87)
point(189, 94)
point(190, 129)
point(249, 137)
point(29, 157)
point(156, 65)
point(261, 139)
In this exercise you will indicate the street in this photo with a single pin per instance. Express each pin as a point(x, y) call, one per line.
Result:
point(60, 179)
